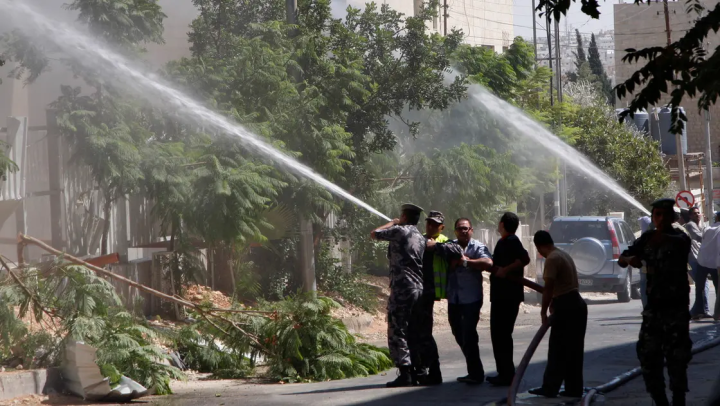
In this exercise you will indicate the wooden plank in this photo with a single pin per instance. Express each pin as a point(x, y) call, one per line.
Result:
point(113, 258)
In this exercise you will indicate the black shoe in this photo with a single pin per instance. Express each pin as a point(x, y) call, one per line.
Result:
point(500, 380)
point(471, 380)
point(429, 380)
point(542, 392)
point(678, 399)
point(435, 375)
point(660, 398)
point(403, 380)
point(566, 394)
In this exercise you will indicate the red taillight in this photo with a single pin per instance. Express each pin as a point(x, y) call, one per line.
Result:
point(614, 241)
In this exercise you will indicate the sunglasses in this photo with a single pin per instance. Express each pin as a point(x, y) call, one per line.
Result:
point(462, 229)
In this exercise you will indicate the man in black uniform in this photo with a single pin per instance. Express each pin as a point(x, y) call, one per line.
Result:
point(405, 253)
point(509, 259)
point(665, 331)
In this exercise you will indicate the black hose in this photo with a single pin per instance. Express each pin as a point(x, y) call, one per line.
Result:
point(635, 372)
point(512, 392)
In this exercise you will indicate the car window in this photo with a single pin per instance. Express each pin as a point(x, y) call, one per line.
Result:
point(622, 238)
point(567, 232)
point(629, 233)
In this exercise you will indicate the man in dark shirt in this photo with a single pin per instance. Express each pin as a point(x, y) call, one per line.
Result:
point(509, 259)
point(405, 253)
point(665, 331)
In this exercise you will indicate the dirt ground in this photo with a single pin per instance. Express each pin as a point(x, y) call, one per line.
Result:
point(378, 326)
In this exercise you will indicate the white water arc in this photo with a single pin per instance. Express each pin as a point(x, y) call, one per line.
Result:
point(95, 55)
point(516, 118)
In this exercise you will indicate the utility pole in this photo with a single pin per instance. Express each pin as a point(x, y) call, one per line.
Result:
point(709, 187)
point(558, 60)
point(445, 17)
point(534, 13)
point(550, 56)
point(306, 249)
point(678, 137)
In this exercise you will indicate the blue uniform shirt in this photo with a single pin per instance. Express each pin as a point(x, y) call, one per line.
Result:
point(465, 284)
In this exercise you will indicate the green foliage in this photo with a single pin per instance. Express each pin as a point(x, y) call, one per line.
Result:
point(82, 306)
point(332, 278)
point(306, 343)
point(599, 72)
point(680, 69)
point(627, 156)
point(580, 58)
point(460, 174)
point(203, 353)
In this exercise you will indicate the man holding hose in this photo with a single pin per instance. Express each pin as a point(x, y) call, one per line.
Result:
point(405, 254)
point(561, 297)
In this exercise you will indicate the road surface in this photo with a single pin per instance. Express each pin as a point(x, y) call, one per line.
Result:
point(609, 350)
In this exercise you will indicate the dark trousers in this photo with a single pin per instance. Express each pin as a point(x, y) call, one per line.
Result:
point(464, 319)
point(421, 326)
point(503, 314)
point(665, 340)
point(567, 344)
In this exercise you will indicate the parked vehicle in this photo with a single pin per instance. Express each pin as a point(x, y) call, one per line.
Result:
point(595, 244)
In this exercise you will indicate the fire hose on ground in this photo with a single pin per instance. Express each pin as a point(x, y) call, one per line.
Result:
point(635, 372)
point(605, 388)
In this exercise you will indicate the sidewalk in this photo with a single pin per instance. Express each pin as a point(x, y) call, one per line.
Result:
point(702, 374)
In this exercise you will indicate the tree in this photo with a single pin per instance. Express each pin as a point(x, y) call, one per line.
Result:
point(106, 129)
point(580, 54)
point(626, 155)
point(598, 70)
point(682, 68)
point(351, 76)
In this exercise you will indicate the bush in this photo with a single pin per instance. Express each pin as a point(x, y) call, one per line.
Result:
point(203, 353)
point(306, 343)
point(350, 286)
point(84, 307)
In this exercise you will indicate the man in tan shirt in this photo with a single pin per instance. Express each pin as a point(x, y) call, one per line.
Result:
point(567, 337)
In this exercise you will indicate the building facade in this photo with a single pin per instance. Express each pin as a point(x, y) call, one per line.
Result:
point(568, 46)
point(642, 26)
point(487, 23)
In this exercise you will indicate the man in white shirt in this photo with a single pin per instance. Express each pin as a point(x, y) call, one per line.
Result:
point(709, 259)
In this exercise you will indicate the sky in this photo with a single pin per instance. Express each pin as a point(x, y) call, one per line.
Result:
point(522, 11)
point(522, 16)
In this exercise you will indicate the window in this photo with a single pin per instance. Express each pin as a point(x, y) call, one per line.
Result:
point(488, 47)
point(630, 236)
point(505, 49)
point(619, 232)
point(567, 232)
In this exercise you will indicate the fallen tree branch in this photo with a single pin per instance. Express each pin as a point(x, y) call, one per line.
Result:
point(25, 240)
point(28, 292)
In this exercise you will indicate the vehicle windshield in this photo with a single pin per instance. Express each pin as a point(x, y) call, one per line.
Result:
point(567, 232)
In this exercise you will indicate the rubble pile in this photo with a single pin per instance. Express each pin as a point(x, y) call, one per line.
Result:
point(198, 294)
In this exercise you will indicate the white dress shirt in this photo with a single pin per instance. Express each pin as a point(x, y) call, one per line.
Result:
point(709, 255)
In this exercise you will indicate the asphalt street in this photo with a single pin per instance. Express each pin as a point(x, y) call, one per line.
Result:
point(609, 350)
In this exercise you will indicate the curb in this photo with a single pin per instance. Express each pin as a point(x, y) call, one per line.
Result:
point(22, 384)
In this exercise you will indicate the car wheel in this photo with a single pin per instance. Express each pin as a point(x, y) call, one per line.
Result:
point(625, 295)
point(635, 292)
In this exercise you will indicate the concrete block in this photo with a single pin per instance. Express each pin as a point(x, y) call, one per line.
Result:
point(22, 384)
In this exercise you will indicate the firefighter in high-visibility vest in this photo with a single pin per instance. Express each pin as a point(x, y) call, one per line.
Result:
point(426, 360)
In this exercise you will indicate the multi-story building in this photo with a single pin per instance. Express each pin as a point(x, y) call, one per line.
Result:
point(644, 26)
point(568, 46)
point(484, 23)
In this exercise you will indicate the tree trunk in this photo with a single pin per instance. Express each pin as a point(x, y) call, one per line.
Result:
point(107, 209)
